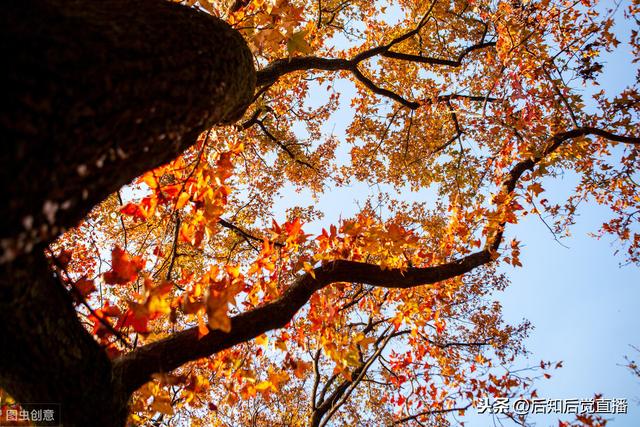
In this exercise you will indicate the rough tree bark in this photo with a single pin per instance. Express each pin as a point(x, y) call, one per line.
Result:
point(94, 94)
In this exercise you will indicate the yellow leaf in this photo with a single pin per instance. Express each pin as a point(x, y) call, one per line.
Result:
point(149, 179)
point(301, 368)
point(365, 342)
point(297, 43)
point(182, 200)
point(264, 386)
point(207, 6)
point(309, 269)
point(218, 319)
point(281, 345)
point(277, 378)
point(234, 271)
point(162, 404)
point(202, 327)
point(262, 340)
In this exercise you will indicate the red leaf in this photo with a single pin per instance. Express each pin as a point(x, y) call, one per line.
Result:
point(124, 267)
point(64, 258)
point(85, 287)
point(138, 321)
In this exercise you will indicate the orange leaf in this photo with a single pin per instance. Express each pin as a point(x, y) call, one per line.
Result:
point(85, 286)
point(182, 200)
point(124, 267)
point(202, 326)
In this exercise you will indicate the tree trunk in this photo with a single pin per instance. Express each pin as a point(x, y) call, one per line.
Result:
point(94, 93)
point(46, 355)
point(98, 92)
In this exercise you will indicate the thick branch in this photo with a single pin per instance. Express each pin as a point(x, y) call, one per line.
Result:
point(272, 72)
point(583, 131)
point(384, 92)
point(168, 354)
point(437, 61)
point(275, 70)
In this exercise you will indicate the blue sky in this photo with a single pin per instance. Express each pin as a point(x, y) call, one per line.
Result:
point(582, 304)
point(584, 308)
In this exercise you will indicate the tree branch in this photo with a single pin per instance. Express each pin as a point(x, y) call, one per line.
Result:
point(272, 72)
point(339, 397)
point(437, 61)
point(429, 412)
point(381, 91)
point(282, 145)
point(245, 235)
point(165, 355)
point(46, 354)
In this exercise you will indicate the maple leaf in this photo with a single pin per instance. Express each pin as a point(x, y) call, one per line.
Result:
point(124, 267)
point(85, 287)
point(217, 307)
point(297, 43)
point(64, 258)
point(134, 210)
point(100, 317)
point(137, 317)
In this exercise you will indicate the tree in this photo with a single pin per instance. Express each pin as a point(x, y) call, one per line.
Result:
point(119, 298)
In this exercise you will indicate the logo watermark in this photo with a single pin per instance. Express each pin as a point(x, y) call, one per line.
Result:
point(522, 406)
point(44, 414)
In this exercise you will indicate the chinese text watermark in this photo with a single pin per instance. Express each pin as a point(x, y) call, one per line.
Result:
point(46, 414)
point(521, 406)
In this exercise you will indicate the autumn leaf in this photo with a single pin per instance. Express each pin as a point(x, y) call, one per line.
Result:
point(136, 317)
point(85, 287)
point(298, 44)
point(217, 308)
point(262, 340)
point(124, 267)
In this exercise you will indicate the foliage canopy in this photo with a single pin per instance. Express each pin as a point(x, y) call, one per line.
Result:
point(220, 310)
